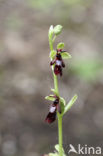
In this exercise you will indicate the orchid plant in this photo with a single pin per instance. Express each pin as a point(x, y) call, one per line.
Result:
point(59, 107)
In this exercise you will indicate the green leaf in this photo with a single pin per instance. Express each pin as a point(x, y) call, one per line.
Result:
point(69, 105)
point(54, 91)
point(57, 29)
point(50, 98)
point(57, 153)
point(60, 45)
point(51, 30)
point(52, 54)
point(65, 55)
point(57, 148)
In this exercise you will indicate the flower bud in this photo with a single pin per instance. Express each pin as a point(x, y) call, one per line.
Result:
point(57, 29)
point(51, 30)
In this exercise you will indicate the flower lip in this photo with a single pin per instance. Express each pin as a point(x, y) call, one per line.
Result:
point(58, 70)
point(51, 117)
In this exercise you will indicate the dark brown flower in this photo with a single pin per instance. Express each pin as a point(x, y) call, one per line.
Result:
point(58, 63)
point(51, 117)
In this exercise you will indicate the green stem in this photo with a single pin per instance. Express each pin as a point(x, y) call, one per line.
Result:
point(51, 42)
point(54, 38)
point(55, 77)
point(60, 134)
point(57, 91)
point(56, 84)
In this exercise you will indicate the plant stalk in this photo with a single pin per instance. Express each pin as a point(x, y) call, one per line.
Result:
point(60, 138)
point(60, 134)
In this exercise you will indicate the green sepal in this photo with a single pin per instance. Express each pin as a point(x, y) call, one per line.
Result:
point(69, 105)
point(60, 45)
point(52, 54)
point(57, 29)
point(66, 55)
point(50, 98)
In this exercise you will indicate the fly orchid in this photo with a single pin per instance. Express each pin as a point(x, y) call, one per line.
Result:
point(59, 63)
point(58, 107)
point(51, 117)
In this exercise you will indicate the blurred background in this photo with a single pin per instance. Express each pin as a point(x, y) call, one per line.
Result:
point(26, 78)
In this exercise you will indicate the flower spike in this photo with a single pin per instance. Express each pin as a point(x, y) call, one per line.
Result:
point(58, 107)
